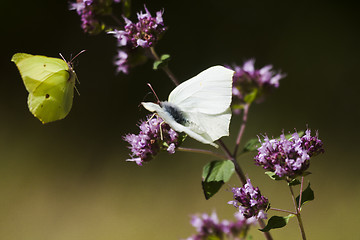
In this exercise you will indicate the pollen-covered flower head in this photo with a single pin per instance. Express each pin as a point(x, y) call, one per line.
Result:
point(288, 157)
point(154, 135)
point(249, 201)
point(251, 84)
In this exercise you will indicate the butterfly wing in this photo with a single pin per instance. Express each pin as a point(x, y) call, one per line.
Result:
point(206, 100)
point(52, 99)
point(210, 126)
point(209, 92)
point(50, 84)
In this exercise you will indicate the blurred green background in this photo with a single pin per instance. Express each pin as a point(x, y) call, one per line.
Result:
point(68, 180)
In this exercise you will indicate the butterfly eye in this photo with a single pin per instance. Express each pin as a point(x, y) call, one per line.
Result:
point(47, 96)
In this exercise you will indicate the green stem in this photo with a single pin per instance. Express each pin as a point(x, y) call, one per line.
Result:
point(242, 177)
point(298, 215)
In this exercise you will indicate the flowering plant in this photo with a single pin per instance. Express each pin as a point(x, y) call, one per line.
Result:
point(286, 158)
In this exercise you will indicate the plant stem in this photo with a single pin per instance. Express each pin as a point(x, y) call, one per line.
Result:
point(203, 151)
point(301, 226)
point(238, 169)
point(300, 195)
point(242, 177)
point(164, 68)
point(298, 215)
point(262, 225)
point(242, 128)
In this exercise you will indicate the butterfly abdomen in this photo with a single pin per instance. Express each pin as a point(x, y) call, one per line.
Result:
point(175, 112)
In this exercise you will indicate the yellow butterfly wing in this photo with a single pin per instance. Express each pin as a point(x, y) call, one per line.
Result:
point(50, 83)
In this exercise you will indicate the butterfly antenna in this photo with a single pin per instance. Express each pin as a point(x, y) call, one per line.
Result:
point(82, 51)
point(153, 92)
point(62, 57)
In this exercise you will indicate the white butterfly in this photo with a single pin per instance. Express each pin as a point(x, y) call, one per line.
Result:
point(200, 106)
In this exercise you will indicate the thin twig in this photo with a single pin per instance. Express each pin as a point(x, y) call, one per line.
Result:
point(282, 210)
point(242, 128)
point(300, 195)
point(298, 215)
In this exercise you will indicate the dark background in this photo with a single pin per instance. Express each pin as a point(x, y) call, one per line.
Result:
point(69, 179)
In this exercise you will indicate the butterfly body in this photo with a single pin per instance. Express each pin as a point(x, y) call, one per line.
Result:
point(50, 83)
point(200, 106)
point(175, 112)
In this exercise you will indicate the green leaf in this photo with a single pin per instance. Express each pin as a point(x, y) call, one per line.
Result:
point(294, 182)
point(273, 176)
point(214, 175)
point(307, 195)
point(213, 237)
point(251, 145)
point(249, 98)
point(276, 222)
point(237, 106)
point(164, 59)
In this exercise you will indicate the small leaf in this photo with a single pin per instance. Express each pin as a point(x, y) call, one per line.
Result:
point(237, 106)
point(273, 176)
point(164, 59)
point(249, 98)
point(294, 182)
point(252, 145)
point(214, 175)
point(307, 195)
point(213, 237)
point(276, 222)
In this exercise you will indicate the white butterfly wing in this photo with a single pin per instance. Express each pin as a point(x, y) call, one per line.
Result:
point(211, 126)
point(208, 92)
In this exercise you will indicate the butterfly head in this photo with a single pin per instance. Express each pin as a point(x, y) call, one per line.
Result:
point(71, 62)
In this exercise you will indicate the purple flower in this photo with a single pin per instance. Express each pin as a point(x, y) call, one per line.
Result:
point(155, 135)
point(288, 157)
point(144, 33)
point(209, 227)
point(121, 36)
point(90, 11)
point(248, 80)
point(249, 201)
point(121, 62)
point(85, 9)
point(313, 145)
